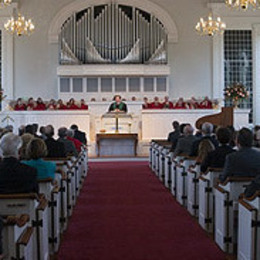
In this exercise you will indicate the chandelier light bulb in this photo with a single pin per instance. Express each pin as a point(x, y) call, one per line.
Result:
point(4, 3)
point(243, 4)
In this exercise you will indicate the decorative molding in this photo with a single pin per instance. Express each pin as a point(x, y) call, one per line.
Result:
point(145, 5)
point(114, 70)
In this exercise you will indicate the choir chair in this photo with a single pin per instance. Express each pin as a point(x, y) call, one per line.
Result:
point(226, 211)
point(192, 190)
point(249, 228)
point(181, 178)
point(207, 181)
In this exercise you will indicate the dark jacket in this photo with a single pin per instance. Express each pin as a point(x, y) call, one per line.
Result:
point(216, 158)
point(195, 146)
point(81, 136)
point(253, 187)
point(70, 148)
point(55, 149)
point(173, 136)
point(16, 177)
point(245, 162)
point(184, 145)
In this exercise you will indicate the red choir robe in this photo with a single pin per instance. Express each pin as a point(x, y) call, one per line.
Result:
point(73, 107)
point(40, 106)
point(62, 107)
point(168, 105)
point(146, 106)
point(180, 106)
point(30, 107)
point(156, 105)
point(83, 107)
point(19, 107)
point(76, 142)
point(206, 104)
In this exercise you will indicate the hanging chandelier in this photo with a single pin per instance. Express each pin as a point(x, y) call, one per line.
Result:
point(19, 26)
point(243, 4)
point(4, 3)
point(210, 26)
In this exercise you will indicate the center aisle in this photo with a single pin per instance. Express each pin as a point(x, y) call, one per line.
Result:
point(125, 213)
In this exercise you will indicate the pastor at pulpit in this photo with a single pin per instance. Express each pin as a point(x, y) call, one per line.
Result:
point(118, 105)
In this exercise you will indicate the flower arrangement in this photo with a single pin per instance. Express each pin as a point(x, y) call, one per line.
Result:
point(236, 92)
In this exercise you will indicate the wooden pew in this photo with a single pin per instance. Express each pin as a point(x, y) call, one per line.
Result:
point(168, 170)
point(249, 228)
point(175, 162)
point(226, 209)
point(192, 189)
point(207, 181)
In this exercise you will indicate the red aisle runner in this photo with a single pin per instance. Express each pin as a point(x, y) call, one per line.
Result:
point(125, 213)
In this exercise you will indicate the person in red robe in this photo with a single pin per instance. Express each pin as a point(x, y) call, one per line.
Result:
point(30, 104)
point(146, 104)
point(206, 103)
point(156, 104)
point(70, 137)
point(52, 105)
point(180, 104)
point(167, 104)
point(71, 104)
point(61, 105)
point(193, 103)
point(40, 105)
point(19, 105)
point(83, 105)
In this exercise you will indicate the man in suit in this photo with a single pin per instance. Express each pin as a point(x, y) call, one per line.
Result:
point(184, 144)
point(216, 158)
point(70, 148)
point(79, 135)
point(244, 162)
point(174, 135)
point(207, 131)
point(55, 149)
point(15, 177)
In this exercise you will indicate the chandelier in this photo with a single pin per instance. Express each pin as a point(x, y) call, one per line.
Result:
point(4, 3)
point(19, 26)
point(210, 26)
point(243, 4)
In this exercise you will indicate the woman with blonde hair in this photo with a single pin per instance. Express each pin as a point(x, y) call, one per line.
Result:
point(26, 138)
point(35, 152)
point(205, 147)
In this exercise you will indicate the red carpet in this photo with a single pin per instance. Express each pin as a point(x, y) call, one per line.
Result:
point(125, 213)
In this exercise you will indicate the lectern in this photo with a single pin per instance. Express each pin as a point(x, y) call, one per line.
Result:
point(117, 115)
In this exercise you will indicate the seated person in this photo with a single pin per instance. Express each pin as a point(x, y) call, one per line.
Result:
point(42, 133)
point(205, 147)
point(36, 150)
point(71, 104)
point(52, 105)
point(174, 135)
point(206, 104)
point(193, 103)
point(180, 104)
point(83, 105)
point(167, 104)
point(244, 162)
point(70, 137)
point(1, 237)
point(30, 104)
point(156, 104)
point(70, 148)
point(253, 187)
point(15, 177)
point(19, 105)
point(55, 149)
point(184, 144)
point(118, 105)
point(216, 159)
point(207, 133)
point(61, 105)
point(26, 138)
point(79, 135)
point(181, 135)
point(146, 104)
point(40, 105)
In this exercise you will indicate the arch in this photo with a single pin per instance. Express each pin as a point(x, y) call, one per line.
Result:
point(145, 5)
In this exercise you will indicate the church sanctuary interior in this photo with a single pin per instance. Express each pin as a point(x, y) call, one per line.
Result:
point(129, 130)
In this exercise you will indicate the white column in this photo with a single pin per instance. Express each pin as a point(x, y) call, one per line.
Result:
point(256, 74)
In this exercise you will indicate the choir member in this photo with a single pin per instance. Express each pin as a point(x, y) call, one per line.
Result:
point(180, 104)
point(193, 103)
point(61, 105)
point(167, 104)
point(206, 103)
point(156, 104)
point(71, 104)
point(146, 104)
point(40, 105)
point(52, 105)
point(83, 105)
point(19, 105)
point(30, 104)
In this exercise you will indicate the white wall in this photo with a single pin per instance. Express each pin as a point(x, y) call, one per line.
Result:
point(35, 60)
